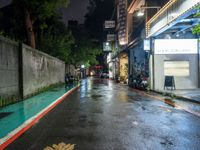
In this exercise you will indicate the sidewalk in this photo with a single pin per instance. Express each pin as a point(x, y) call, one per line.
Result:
point(190, 95)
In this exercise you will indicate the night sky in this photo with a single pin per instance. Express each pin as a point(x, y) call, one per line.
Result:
point(75, 11)
point(4, 2)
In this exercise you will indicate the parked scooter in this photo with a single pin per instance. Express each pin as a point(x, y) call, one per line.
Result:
point(139, 82)
point(144, 83)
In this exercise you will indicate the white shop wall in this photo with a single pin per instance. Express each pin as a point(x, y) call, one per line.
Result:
point(181, 82)
point(171, 59)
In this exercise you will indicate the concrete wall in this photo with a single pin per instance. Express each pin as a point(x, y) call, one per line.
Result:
point(9, 64)
point(70, 69)
point(199, 62)
point(190, 82)
point(138, 60)
point(40, 70)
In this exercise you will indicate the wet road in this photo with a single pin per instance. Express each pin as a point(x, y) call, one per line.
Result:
point(102, 115)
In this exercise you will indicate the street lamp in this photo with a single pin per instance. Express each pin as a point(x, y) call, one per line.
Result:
point(140, 13)
point(142, 9)
point(82, 71)
point(82, 66)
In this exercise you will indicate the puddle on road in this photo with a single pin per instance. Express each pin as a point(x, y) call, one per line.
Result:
point(5, 114)
point(54, 90)
point(169, 101)
point(82, 117)
point(92, 124)
point(96, 96)
point(166, 141)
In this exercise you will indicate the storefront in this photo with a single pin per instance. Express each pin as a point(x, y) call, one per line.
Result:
point(174, 50)
point(178, 58)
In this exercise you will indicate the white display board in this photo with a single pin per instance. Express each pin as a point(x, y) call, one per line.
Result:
point(109, 24)
point(111, 37)
point(177, 68)
point(176, 46)
point(147, 45)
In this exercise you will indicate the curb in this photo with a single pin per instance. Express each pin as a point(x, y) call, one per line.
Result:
point(172, 95)
point(16, 133)
point(169, 102)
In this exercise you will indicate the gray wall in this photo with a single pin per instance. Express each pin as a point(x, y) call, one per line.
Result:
point(40, 70)
point(137, 60)
point(190, 82)
point(9, 76)
point(24, 71)
point(70, 69)
point(199, 63)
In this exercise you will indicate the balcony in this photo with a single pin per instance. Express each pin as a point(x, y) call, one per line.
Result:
point(134, 5)
point(176, 15)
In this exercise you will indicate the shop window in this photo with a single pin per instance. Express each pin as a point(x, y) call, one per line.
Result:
point(177, 68)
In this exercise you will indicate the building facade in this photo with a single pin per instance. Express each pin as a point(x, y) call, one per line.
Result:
point(174, 49)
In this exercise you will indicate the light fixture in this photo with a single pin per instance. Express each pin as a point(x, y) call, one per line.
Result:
point(107, 43)
point(140, 13)
point(82, 66)
point(177, 35)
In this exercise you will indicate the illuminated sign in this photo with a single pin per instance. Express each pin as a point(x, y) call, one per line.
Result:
point(176, 46)
point(110, 37)
point(109, 24)
point(107, 47)
point(122, 33)
point(147, 45)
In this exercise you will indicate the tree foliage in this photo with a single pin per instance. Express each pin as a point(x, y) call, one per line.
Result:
point(35, 12)
point(85, 52)
point(56, 40)
point(38, 21)
point(98, 12)
point(50, 33)
point(196, 29)
point(85, 49)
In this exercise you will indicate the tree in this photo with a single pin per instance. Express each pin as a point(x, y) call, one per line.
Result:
point(36, 11)
point(56, 40)
point(85, 52)
point(196, 29)
point(98, 12)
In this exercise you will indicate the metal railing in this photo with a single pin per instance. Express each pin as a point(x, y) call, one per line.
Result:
point(173, 10)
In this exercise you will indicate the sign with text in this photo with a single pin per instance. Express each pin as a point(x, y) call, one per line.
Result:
point(177, 68)
point(176, 46)
point(147, 45)
point(122, 13)
point(109, 24)
point(110, 37)
point(107, 47)
point(169, 83)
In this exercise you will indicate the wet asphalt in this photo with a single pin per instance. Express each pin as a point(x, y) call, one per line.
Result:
point(103, 115)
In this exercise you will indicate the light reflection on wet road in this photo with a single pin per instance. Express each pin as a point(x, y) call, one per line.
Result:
point(103, 115)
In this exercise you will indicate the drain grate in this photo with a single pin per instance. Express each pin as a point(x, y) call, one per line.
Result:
point(4, 114)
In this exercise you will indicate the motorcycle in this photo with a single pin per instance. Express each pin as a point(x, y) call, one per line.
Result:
point(139, 82)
